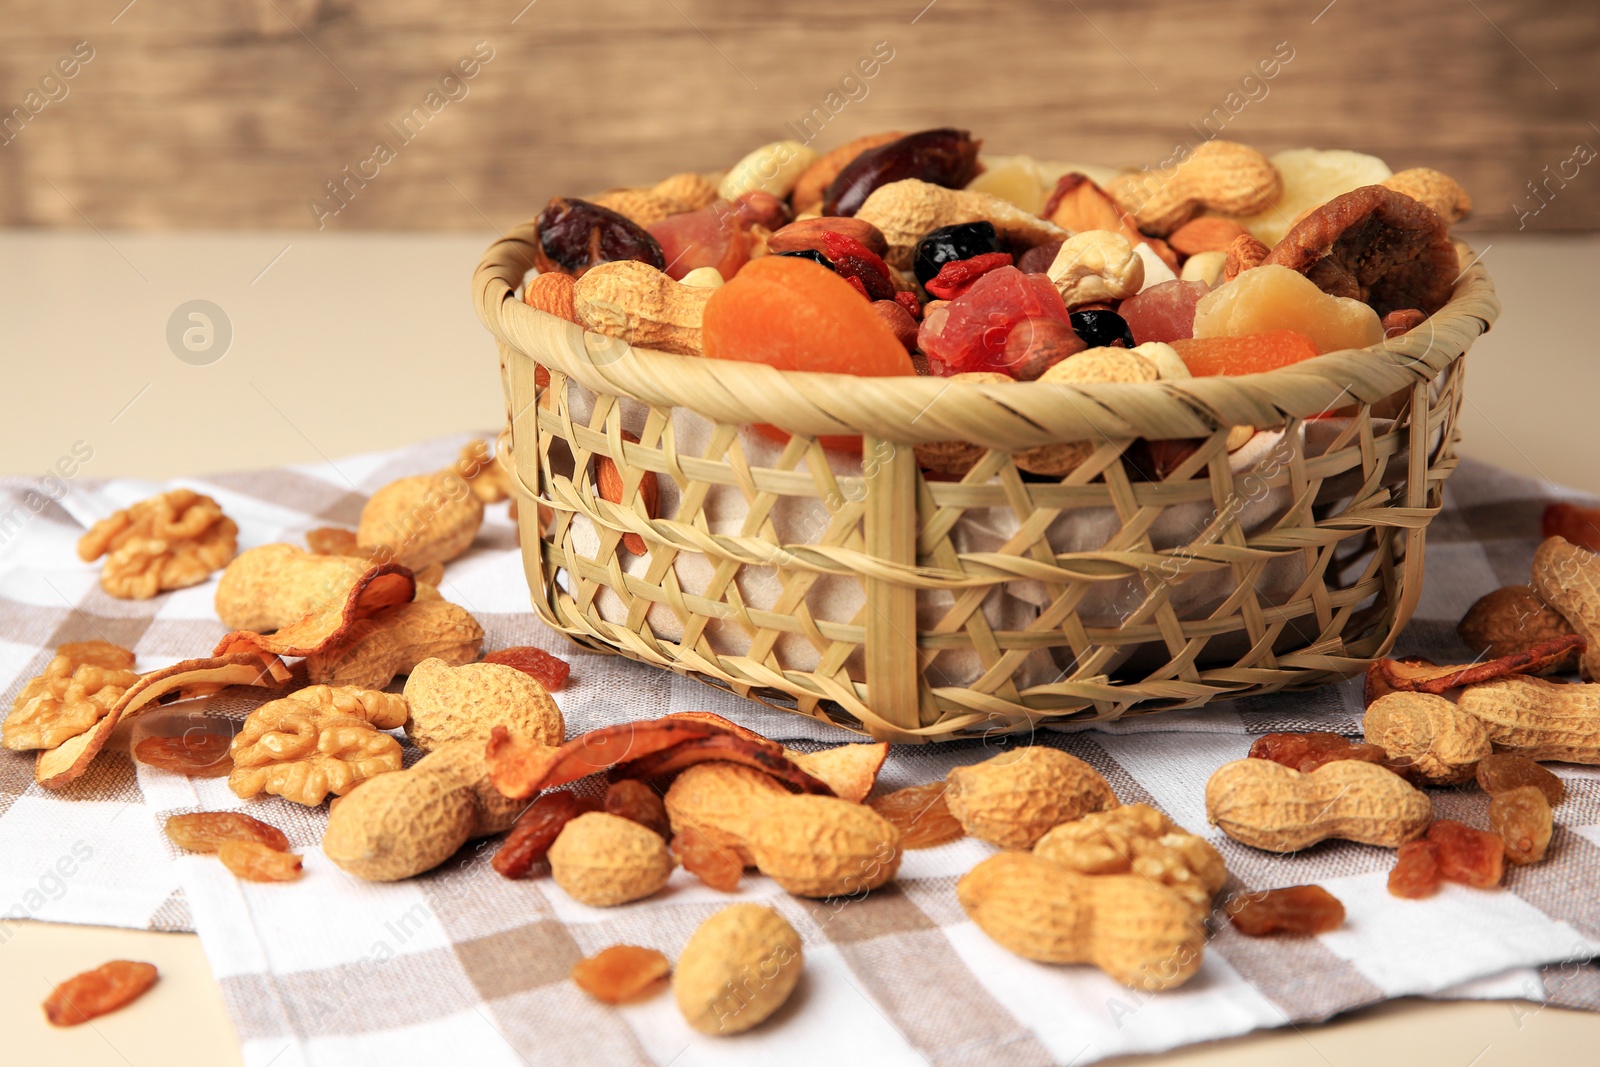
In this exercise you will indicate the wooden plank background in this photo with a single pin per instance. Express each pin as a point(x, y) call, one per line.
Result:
point(234, 114)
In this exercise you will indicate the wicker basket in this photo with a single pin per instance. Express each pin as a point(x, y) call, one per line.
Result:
point(1350, 527)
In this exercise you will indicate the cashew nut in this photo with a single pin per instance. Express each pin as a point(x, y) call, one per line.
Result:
point(773, 168)
point(1094, 266)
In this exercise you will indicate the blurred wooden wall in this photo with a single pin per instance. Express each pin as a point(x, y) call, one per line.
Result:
point(235, 114)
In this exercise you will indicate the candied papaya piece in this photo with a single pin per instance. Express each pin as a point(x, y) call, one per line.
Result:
point(970, 332)
point(1164, 311)
point(1250, 354)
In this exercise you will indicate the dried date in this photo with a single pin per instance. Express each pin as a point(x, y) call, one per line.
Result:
point(205, 831)
point(537, 829)
point(94, 993)
point(946, 157)
point(622, 973)
point(1300, 910)
point(575, 235)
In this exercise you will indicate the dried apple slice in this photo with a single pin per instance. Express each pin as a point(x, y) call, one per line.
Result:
point(1421, 676)
point(57, 766)
point(765, 756)
point(849, 770)
point(520, 767)
point(383, 586)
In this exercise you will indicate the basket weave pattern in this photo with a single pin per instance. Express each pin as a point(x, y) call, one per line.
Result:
point(1353, 523)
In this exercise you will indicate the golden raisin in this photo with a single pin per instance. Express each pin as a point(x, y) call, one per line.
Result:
point(1416, 871)
point(94, 993)
point(920, 814)
point(714, 865)
point(1521, 817)
point(536, 663)
point(194, 754)
point(333, 541)
point(1503, 771)
point(1307, 751)
point(205, 831)
point(255, 862)
point(1471, 857)
point(636, 801)
point(1295, 909)
point(537, 829)
point(622, 973)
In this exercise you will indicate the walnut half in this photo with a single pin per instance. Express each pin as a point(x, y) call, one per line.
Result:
point(320, 740)
point(76, 690)
point(1140, 839)
point(167, 542)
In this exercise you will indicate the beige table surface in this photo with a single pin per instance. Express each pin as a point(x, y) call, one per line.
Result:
point(343, 344)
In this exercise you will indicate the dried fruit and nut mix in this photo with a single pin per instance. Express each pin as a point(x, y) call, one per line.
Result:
point(893, 254)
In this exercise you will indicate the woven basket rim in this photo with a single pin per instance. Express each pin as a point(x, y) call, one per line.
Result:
point(1011, 415)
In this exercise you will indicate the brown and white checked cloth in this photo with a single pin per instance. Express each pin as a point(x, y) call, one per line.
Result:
point(460, 965)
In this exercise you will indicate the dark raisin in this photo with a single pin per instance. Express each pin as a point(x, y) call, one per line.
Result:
point(812, 254)
point(944, 157)
point(951, 244)
point(1102, 329)
point(575, 235)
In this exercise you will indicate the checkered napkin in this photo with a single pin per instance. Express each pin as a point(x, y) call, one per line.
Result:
point(460, 965)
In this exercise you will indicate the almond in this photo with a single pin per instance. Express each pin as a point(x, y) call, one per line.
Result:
point(609, 480)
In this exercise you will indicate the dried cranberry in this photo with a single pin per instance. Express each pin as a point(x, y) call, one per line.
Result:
point(1102, 329)
point(946, 157)
point(575, 235)
point(949, 244)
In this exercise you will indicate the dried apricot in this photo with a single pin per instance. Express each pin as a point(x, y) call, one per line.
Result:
point(1521, 817)
point(1471, 857)
point(537, 829)
point(793, 314)
point(1249, 354)
point(921, 815)
point(195, 754)
point(636, 801)
point(94, 993)
point(1297, 909)
point(536, 663)
point(1503, 771)
point(716, 866)
point(622, 973)
point(255, 862)
point(205, 831)
point(1416, 871)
